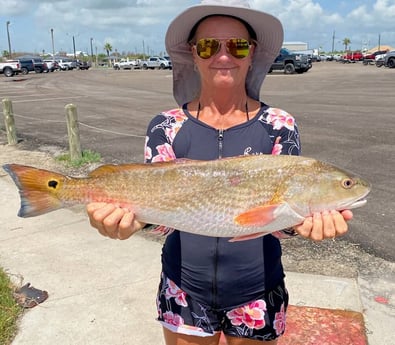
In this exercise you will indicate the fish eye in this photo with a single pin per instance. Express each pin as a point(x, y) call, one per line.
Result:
point(347, 183)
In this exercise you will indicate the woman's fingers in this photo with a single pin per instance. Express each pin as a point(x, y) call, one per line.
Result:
point(112, 221)
point(327, 224)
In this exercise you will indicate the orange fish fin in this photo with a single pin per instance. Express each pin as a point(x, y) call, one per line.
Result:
point(258, 216)
point(103, 170)
point(37, 189)
point(112, 168)
point(161, 230)
point(248, 237)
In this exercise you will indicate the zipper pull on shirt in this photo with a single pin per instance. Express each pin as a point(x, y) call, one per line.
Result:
point(220, 142)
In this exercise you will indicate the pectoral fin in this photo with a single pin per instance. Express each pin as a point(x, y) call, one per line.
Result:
point(258, 216)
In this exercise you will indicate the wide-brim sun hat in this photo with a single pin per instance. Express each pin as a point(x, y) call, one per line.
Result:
point(269, 38)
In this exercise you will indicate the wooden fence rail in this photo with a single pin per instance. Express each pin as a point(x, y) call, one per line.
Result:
point(72, 128)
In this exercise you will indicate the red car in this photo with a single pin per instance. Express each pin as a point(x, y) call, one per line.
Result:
point(373, 55)
point(352, 56)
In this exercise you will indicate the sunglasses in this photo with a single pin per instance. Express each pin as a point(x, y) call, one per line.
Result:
point(208, 47)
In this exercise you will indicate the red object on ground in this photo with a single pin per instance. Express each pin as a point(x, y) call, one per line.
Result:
point(381, 299)
point(317, 326)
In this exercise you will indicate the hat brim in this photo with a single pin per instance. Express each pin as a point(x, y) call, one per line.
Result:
point(186, 82)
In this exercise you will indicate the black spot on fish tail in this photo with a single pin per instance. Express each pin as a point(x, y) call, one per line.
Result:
point(53, 184)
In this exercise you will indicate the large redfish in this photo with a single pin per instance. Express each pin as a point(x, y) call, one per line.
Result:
point(239, 197)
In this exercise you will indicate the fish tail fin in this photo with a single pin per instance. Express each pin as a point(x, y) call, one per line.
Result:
point(38, 189)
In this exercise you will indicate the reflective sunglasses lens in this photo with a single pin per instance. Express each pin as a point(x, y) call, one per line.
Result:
point(238, 47)
point(207, 47)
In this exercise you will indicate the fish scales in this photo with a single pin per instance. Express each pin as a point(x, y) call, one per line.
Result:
point(229, 197)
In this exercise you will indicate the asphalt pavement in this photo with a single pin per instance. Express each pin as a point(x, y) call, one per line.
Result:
point(102, 291)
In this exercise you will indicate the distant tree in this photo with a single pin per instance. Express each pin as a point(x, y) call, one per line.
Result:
point(108, 48)
point(6, 54)
point(346, 43)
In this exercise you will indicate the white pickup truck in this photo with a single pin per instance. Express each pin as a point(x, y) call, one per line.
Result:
point(126, 64)
point(156, 62)
point(10, 67)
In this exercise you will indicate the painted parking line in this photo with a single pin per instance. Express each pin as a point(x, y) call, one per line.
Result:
point(46, 99)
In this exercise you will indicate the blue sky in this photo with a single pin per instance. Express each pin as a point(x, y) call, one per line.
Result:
point(130, 25)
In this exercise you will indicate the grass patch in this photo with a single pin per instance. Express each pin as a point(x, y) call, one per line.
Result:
point(87, 157)
point(9, 310)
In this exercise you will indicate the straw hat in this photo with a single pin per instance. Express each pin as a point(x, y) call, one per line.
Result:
point(269, 32)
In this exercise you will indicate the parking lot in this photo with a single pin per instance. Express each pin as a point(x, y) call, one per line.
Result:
point(345, 112)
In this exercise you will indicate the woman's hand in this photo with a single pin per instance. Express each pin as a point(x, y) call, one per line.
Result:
point(328, 224)
point(112, 221)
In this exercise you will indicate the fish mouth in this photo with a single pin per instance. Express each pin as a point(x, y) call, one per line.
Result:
point(358, 203)
point(355, 203)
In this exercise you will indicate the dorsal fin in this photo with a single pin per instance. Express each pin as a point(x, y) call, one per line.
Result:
point(112, 168)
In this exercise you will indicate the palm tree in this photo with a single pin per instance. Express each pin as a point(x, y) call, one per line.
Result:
point(346, 43)
point(108, 49)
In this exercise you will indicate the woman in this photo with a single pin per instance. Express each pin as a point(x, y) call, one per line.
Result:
point(220, 56)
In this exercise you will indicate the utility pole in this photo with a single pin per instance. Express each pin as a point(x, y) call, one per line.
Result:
point(53, 46)
point(91, 50)
point(9, 40)
point(75, 56)
point(333, 42)
point(379, 42)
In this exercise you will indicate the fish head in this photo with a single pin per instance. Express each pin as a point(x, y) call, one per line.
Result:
point(326, 187)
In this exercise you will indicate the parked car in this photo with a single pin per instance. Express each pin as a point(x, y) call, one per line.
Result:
point(32, 64)
point(168, 59)
point(389, 59)
point(291, 62)
point(336, 57)
point(324, 57)
point(156, 62)
point(66, 64)
point(371, 58)
point(10, 67)
point(52, 65)
point(83, 65)
point(126, 64)
point(352, 57)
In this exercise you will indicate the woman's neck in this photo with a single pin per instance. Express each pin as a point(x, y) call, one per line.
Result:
point(222, 115)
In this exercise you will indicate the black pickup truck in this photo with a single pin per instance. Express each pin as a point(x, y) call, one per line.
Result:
point(291, 62)
point(30, 64)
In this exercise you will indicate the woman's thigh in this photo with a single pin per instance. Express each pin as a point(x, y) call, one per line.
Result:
point(172, 338)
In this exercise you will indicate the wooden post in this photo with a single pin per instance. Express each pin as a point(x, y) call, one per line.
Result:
point(9, 122)
point(73, 132)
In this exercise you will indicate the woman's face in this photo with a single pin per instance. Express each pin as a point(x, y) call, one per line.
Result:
point(222, 70)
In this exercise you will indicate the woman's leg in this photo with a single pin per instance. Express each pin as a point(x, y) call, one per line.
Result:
point(244, 341)
point(172, 338)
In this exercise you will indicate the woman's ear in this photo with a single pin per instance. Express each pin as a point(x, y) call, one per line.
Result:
point(252, 51)
point(193, 51)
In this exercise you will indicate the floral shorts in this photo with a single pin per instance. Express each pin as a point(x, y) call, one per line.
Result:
point(262, 319)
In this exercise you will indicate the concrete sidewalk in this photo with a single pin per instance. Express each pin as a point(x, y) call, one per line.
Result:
point(103, 291)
